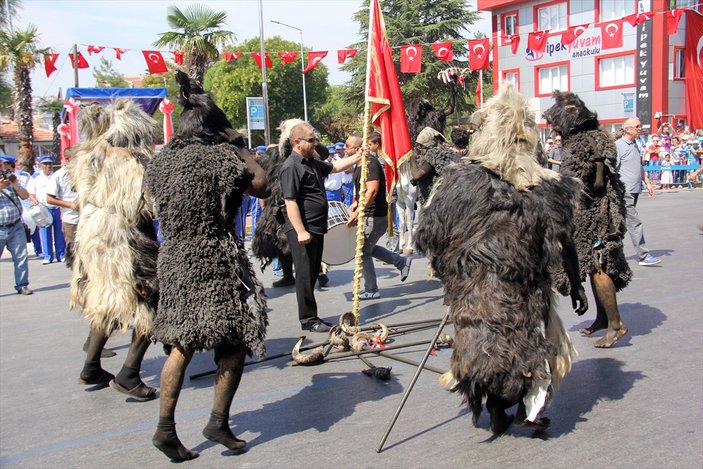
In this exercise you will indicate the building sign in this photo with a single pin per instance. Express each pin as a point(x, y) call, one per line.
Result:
point(643, 94)
point(255, 113)
point(628, 106)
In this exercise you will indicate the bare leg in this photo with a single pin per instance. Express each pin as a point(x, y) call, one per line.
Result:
point(165, 438)
point(92, 372)
point(230, 367)
point(604, 291)
point(601, 321)
point(128, 380)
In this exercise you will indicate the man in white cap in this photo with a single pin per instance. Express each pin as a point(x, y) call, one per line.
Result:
point(52, 240)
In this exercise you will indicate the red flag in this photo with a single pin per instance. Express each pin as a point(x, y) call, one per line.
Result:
point(119, 52)
point(314, 59)
point(411, 58)
point(570, 35)
point(514, 43)
point(94, 49)
point(638, 18)
point(287, 56)
point(537, 41)
point(344, 54)
point(257, 58)
point(694, 68)
point(385, 97)
point(479, 90)
point(50, 63)
point(478, 54)
point(672, 20)
point(155, 61)
point(177, 57)
point(229, 56)
point(82, 63)
point(443, 51)
point(611, 34)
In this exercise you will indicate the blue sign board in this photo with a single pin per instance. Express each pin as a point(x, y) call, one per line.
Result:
point(255, 113)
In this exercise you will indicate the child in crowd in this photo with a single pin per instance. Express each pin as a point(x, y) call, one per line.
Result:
point(667, 177)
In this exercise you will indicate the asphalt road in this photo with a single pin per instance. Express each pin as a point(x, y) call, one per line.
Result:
point(638, 405)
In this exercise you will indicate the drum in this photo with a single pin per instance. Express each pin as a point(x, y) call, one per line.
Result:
point(340, 240)
point(41, 215)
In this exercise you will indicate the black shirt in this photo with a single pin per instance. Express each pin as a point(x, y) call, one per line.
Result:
point(303, 180)
point(379, 206)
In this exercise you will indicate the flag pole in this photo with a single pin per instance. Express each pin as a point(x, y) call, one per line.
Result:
point(480, 80)
point(364, 171)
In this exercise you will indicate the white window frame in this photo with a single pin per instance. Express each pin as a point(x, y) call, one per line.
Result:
point(679, 63)
point(556, 76)
point(616, 71)
point(512, 77)
point(514, 25)
point(615, 9)
point(553, 17)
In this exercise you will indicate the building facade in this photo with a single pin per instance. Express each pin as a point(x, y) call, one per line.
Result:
point(644, 77)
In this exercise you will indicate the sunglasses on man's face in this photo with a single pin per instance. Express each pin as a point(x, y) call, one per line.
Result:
point(309, 140)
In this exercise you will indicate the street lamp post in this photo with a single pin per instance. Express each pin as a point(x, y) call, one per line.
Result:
point(302, 66)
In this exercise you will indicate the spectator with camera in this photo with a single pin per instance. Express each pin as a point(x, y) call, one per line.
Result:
point(12, 234)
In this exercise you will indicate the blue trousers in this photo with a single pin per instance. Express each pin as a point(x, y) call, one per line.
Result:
point(15, 239)
point(348, 189)
point(240, 220)
point(334, 195)
point(255, 212)
point(52, 237)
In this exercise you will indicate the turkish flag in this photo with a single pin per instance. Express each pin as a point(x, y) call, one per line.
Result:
point(611, 34)
point(229, 56)
point(314, 59)
point(287, 56)
point(344, 54)
point(537, 41)
point(177, 57)
point(478, 54)
point(443, 51)
point(385, 97)
point(155, 61)
point(411, 58)
point(694, 68)
point(672, 20)
point(570, 35)
point(257, 59)
point(514, 42)
point(94, 49)
point(638, 18)
point(50, 63)
point(82, 63)
point(119, 52)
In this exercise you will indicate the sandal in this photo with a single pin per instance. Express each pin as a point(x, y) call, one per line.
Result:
point(367, 295)
point(140, 392)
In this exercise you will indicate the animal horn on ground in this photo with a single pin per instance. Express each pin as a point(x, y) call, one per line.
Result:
point(382, 334)
point(313, 357)
point(361, 341)
point(348, 323)
point(337, 338)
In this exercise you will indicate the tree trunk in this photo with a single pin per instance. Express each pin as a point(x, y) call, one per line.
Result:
point(23, 117)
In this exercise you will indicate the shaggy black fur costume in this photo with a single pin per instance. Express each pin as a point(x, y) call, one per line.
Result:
point(493, 247)
point(423, 114)
point(601, 215)
point(439, 157)
point(209, 293)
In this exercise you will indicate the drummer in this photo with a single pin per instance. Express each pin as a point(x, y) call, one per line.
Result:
point(305, 215)
point(376, 216)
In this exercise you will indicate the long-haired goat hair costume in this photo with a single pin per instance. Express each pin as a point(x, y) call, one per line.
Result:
point(269, 240)
point(197, 182)
point(114, 265)
point(601, 214)
point(491, 231)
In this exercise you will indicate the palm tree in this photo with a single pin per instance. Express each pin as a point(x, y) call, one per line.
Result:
point(19, 49)
point(198, 35)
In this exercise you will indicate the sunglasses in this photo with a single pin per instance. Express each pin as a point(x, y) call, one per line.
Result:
point(309, 140)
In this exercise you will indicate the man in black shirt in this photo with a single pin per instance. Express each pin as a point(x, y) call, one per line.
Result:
point(305, 214)
point(376, 216)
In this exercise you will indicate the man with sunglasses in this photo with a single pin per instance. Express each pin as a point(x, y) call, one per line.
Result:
point(629, 165)
point(305, 212)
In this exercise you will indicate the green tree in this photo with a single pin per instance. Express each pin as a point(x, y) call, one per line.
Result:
point(198, 34)
point(335, 119)
point(5, 95)
point(165, 80)
point(54, 107)
point(19, 49)
point(107, 77)
point(418, 22)
point(8, 10)
point(230, 83)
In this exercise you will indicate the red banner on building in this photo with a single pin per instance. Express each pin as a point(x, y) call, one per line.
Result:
point(611, 34)
point(694, 69)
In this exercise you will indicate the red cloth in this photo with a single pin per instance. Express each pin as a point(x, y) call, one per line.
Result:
point(514, 43)
point(94, 49)
point(386, 99)
point(694, 68)
point(314, 59)
point(611, 34)
point(119, 52)
point(672, 20)
point(82, 63)
point(411, 58)
point(638, 18)
point(229, 56)
point(478, 54)
point(257, 59)
point(537, 41)
point(177, 57)
point(287, 56)
point(155, 61)
point(443, 51)
point(479, 89)
point(344, 54)
point(570, 35)
point(50, 63)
